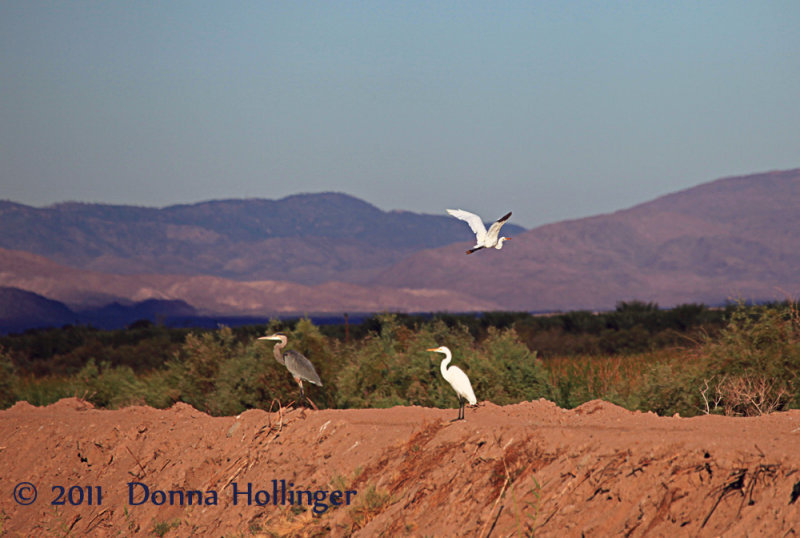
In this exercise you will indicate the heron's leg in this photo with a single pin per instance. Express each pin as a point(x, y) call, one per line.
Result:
point(303, 394)
point(470, 251)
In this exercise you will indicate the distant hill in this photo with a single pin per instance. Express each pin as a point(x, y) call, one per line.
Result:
point(116, 314)
point(306, 238)
point(21, 310)
point(731, 238)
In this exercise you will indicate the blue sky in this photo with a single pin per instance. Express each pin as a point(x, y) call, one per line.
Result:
point(554, 110)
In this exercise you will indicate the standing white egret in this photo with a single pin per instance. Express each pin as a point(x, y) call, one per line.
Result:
point(483, 238)
point(297, 364)
point(457, 379)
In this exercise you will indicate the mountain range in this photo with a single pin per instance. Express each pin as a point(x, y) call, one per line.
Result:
point(316, 253)
point(305, 238)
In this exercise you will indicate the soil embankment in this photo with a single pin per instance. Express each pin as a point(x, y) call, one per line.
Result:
point(598, 470)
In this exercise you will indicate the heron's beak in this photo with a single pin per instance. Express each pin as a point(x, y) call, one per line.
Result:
point(268, 338)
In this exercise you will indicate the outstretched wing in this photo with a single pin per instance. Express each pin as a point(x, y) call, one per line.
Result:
point(494, 229)
point(473, 220)
point(299, 366)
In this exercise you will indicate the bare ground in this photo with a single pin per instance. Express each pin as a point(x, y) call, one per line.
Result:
point(530, 468)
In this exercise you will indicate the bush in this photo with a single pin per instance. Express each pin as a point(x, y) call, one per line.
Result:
point(508, 372)
point(44, 390)
point(672, 387)
point(220, 375)
point(193, 372)
point(110, 387)
point(750, 367)
point(394, 368)
point(240, 384)
point(385, 369)
point(755, 361)
point(8, 381)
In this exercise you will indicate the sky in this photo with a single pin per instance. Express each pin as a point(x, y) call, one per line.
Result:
point(555, 110)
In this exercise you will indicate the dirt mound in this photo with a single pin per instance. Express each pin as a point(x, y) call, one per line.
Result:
point(598, 470)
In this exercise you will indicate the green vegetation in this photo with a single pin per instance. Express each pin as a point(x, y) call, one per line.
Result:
point(160, 528)
point(740, 360)
point(750, 367)
point(370, 503)
point(8, 380)
point(392, 367)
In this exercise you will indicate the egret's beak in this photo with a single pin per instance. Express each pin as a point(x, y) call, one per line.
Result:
point(268, 338)
point(508, 239)
point(432, 349)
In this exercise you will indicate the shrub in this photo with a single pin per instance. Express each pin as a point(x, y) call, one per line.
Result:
point(749, 367)
point(747, 394)
point(377, 370)
point(193, 372)
point(672, 387)
point(241, 383)
point(8, 380)
point(110, 387)
point(221, 374)
point(394, 368)
point(506, 371)
point(45, 390)
point(755, 360)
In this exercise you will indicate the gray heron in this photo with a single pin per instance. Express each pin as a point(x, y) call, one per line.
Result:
point(483, 238)
point(294, 361)
point(457, 379)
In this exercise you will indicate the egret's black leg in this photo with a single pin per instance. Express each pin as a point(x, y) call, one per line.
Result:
point(459, 411)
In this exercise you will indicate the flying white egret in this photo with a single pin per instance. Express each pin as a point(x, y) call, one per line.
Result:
point(457, 379)
point(297, 364)
point(483, 238)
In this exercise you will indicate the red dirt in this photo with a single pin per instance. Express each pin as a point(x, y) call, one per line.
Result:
point(598, 470)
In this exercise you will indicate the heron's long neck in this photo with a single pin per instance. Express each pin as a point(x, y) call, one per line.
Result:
point(446, 363)
point(277, 350)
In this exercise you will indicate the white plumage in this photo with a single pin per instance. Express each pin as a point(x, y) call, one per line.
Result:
point(483, 238)
point(457, 379)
